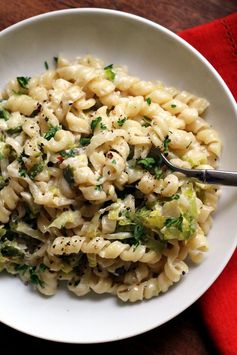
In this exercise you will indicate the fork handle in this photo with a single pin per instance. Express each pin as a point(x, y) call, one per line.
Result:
point(220, 177)
point(209, 176)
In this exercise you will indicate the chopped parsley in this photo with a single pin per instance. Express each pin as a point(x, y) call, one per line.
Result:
point(158, 172)
point(175, 197)
point(22, 268)
point(98, 188)
point(46, 65)
point(147, 121)
point(34, 278)
point(109, 73)
point(4, 114)
point(138, 233)
point(51, 132)
point(68, 154)
point(152, 165)
point(14, 130)
point(166, 143)
point(121, 121)
point(23, 81)
point(43, 267)
point(68, 175)
point(55, 60)
point(22, 172)
point(95, 122)
point(35, 170)
point(22, 169)
point(32, 172)
point(147, 163)
point(85, 141)
point(10, 251)
point(175, 222)
point(173, 105)
point(103, 127)
point(148, 100)
point(113, 161)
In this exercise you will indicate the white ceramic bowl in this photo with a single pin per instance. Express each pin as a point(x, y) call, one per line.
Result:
point(150, 51)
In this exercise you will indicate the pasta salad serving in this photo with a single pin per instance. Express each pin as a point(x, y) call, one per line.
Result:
point(83, 199)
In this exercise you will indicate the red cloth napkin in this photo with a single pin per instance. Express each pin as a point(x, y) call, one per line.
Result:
point(217, 41)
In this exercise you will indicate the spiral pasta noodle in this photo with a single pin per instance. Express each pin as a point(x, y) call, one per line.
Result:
point(82, 196)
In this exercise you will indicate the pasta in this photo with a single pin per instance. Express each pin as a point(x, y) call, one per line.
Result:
point(82, 196)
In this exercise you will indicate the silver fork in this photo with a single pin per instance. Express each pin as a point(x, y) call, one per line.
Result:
point(207, 176)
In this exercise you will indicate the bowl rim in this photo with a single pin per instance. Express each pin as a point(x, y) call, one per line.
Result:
point(169, 33)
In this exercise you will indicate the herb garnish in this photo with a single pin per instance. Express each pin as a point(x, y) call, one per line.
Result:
point(46, 65)
point(22, 169)
point(95, 122)
point(4, 114)
point(175, 222)
point(35, 170)
point(152, 165)
point(51, 132)
point(147, 121)
point(14, 130)
point(23, 81)
point(121, 121)
point(175, 197)
point(103, 127)
point(158, 172)
point(43, 267)
point(138, 232)
point(34, 278)
point(147, 163)
point(10, 251)
point(148, 100)
point(173, 105)
point(166, 143)
point(98, 188)
point(109, 73)
point(85, 141)
point(68, 175)
point(22, 268)
point(68, 154)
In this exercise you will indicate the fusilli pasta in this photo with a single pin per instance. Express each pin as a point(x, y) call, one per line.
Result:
point(83, 199)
